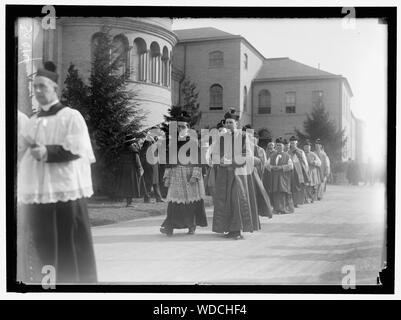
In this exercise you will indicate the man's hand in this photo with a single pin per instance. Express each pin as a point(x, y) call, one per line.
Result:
point(39, 152)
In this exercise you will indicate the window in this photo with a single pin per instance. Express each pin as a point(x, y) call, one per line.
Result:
point(155, 61)
point(317, 98)
point(119, 54)
point(216, 97)
point(245, 98)
point(165, 67)
point(264, 99)
point(245, 61)
point(216, 59)
point(139, 60)
point(290, 102)
point(96, 38)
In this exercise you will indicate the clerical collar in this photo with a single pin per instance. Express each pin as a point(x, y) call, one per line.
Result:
point(54, 108)
point(46, 107)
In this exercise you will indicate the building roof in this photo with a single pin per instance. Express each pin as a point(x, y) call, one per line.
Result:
point(202, 34)
point(275, 68)
point(278, 69)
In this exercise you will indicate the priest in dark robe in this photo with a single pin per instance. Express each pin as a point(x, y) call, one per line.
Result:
point(280, 166)
point(54, 183)
point(232, 213)
point(267, 175)
point(129, 180)
point(263, 202)
point(300, 174)
point(150, 173)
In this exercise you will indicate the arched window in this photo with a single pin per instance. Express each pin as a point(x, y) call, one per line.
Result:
point(165, 67)
point(119, 54)
point(216, 97)
point(139, 60)
point(264, 102)
point(155, 60)
point(245, 98)
point(245, 61)
point(216, 59)
point(95, 42)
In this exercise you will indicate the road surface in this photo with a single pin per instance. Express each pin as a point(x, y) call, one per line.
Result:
point(310, 246)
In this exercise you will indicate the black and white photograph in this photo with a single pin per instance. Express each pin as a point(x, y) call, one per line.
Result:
point(200, 150)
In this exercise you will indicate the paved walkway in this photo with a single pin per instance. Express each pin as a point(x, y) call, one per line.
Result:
point(310, 246)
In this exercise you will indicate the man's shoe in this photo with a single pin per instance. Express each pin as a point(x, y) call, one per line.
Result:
point(238, 237)
point(191, 231)
point(168, 232)
point(159, 200)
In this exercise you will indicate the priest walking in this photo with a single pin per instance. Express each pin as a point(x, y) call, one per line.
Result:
point(54, 183)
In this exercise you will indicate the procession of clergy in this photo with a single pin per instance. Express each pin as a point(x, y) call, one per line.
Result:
point(281, 178)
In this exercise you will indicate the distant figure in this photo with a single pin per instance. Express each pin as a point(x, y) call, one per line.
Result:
point(267, 175)
point(280, 166)
point(128, 183)
point(353, 172)
point(314, 164)
point(369, 173)
point(151, 173)
point(300, 174)
point(324, 169)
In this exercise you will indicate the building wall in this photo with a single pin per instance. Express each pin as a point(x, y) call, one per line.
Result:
point(246, 78)
point(194, 60)
point(346, 121)
point(282, 124)
point(77, 33)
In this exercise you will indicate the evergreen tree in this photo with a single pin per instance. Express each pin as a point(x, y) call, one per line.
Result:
point(109, 108)
point(189, 95)
point(112, 108)
point(319, 125)
point(75, 92)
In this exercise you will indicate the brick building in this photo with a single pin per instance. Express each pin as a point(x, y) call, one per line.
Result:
point(272, 93)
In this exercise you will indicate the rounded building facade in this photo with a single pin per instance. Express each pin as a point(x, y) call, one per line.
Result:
point(146, 45)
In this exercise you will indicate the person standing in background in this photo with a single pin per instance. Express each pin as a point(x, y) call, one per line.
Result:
point(280, 166)
point(151, 173)
point(324, 169)
point(129, 179)
point(267, 175)
point(300, 174)
point(314, 176)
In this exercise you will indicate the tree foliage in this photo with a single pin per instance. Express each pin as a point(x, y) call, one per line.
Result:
point(319, 125)
point(109, 107)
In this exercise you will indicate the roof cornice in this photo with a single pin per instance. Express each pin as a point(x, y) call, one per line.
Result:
point(223, 38)
point(123, 23)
